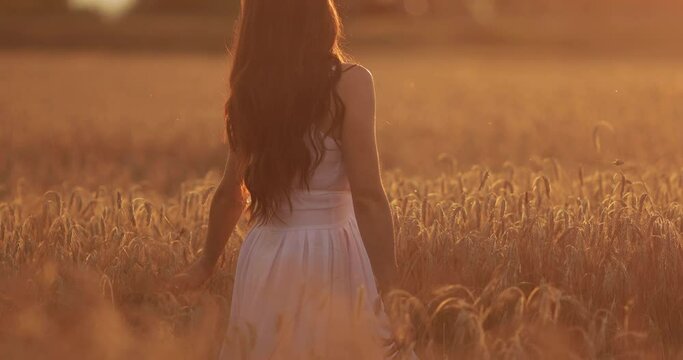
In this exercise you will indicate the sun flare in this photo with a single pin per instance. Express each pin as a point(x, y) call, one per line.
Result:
point(111, 9)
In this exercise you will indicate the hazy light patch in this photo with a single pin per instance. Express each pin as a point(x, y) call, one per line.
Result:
point(110, 9)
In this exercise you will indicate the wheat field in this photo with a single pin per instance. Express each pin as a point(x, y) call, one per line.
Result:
point(537, 203)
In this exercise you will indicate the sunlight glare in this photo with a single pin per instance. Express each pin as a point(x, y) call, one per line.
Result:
point(110, 9)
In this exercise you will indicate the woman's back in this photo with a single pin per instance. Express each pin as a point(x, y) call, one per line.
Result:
point(327, 202)
point(329, 174)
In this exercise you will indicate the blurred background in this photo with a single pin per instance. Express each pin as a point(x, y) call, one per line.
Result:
point(203, 25)
point(123, 92)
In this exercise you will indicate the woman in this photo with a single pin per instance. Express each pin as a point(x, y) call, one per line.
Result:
point(301, 134)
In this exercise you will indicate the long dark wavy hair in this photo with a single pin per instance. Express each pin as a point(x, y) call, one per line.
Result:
point(286, 63)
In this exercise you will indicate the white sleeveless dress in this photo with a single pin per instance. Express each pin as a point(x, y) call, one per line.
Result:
point(304, 287)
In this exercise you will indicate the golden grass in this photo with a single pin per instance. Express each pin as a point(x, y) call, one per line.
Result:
point(517, 237)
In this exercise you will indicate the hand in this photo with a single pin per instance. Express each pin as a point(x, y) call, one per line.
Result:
point(194, 277)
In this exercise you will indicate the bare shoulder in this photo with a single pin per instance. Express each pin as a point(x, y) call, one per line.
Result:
point(357, 68)
point(356, 80)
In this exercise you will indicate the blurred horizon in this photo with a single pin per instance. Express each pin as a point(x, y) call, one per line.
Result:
point(634, 26)
point(414, 7)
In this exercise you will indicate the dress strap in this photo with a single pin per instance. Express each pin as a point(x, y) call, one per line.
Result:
point(349, 68)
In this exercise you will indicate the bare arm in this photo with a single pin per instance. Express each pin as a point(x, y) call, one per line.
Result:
point(226, 208)
point(362, 165)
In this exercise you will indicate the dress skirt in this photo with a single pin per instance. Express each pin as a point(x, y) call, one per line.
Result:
point(304, 287)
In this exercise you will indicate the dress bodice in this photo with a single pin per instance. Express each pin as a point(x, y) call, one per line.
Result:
point(330, 174)
point(327, 202)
